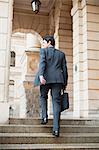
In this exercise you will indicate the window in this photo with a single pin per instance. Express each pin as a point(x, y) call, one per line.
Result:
point(12, 60)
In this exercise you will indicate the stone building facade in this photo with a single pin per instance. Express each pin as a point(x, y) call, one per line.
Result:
point(75, 26)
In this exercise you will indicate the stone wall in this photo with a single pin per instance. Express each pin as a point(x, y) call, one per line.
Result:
point(18, 45)
point(92, 12)
point(85, 57)
point(6, 11)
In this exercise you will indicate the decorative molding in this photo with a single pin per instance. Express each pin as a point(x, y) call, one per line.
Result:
point(77, 6)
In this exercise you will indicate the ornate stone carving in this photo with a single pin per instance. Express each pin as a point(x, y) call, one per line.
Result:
point(32, 100)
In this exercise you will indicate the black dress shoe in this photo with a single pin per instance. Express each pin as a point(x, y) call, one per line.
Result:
point(44, 121)
point(56, 133)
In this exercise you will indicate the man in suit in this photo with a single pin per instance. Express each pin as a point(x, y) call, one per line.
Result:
point(53, 75)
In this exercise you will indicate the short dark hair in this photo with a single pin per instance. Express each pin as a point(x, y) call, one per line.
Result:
point(50, 38)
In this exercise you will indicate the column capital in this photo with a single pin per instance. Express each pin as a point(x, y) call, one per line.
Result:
point(77, 5)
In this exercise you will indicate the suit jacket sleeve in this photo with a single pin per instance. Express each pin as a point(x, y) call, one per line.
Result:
point(65, 72)
point(42, 64)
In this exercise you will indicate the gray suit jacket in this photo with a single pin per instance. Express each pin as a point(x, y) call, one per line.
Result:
point(53, 66)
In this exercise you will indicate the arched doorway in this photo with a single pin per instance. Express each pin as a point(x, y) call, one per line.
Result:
point(51, 20)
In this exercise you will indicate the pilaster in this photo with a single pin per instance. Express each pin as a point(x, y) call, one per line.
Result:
point(80, 106)
point(6, 11)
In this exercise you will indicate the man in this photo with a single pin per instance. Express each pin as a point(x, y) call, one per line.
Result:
point(53, 75)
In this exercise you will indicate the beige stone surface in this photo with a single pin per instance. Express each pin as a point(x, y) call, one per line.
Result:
point(64, 20)
point(94, 96)
point(93, 9)
point(65, 39)
point(93, 54)
point(93, 84)
point(2, 77)
point(93, 17)
point(66, 7)
point(93, 106)
point(4, 110)
point(93, 64)
point(3, 25)
point(94, 26)
point(93, 45)
point(3, 9)
point(77, 49)
point(3, 39)
point(93, 74)
point(93, 36)
point(2, 92)
point(65, 32)
point(2, 55)
point(65, 45)
point(64, 13)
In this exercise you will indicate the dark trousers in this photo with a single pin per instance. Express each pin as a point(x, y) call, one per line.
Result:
point(55, 93)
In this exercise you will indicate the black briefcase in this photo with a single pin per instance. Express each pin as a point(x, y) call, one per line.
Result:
point(64, 101)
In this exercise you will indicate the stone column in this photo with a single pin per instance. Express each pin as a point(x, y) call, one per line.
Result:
point(86, 57)
point(79, 61)
point(91, 55)
point(6, 11)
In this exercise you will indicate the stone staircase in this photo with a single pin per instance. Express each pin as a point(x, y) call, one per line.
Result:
point(75, 134)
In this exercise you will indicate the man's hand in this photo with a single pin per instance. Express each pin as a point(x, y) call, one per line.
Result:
point(64, 87)
point(42, 80)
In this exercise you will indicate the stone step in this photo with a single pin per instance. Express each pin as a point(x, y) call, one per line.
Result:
point(48, 138)
point(74, 146)
point(48, 129)
point(35, 121)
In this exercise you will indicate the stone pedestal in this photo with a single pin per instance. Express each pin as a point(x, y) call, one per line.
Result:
point(29, 98)
point(32, 100)
point(30, 65)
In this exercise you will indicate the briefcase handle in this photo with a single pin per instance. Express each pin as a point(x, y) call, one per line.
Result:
point(63, 91)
